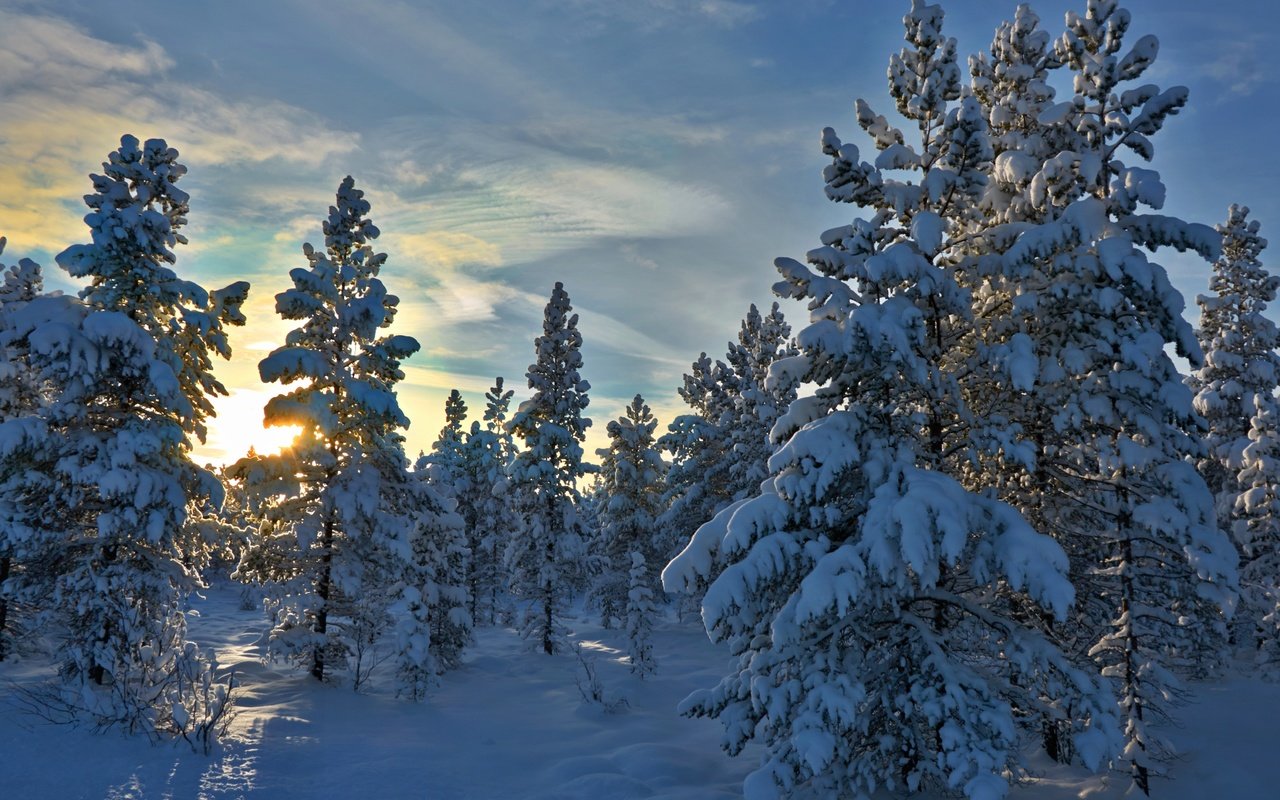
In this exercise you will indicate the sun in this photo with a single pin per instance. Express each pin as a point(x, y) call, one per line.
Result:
point(238, 426)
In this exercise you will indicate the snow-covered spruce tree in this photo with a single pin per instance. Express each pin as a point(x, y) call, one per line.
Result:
point(1235, 391)
point(1013, 401)
point(96, 486)
point(544, 555)
point(432, 621)
point(446, 456)
point(119, 461)
point(857, 588)
point(457, 467)
point(1103, 428)
point(631, 483)
point(489, 451)
point(758, 403)
point(100, 481)
point(720, 452)
point(699, 447)
point(592, 501)
point(21, 394)
point(642, 610)
point(341, 521)
point(1257, 512)
point(1240, 359)
point(136, 213)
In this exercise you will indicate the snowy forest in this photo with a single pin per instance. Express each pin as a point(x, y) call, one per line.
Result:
point(978, 508)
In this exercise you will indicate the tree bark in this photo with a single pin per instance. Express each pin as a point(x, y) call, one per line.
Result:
point(323, 589)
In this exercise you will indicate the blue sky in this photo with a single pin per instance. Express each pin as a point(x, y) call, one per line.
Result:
point(655, 155)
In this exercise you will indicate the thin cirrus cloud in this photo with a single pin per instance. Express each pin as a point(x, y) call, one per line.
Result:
point(653, 155)
point(74, 95)
point(654, 15)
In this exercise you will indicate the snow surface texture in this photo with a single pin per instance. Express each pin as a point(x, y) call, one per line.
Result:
point(512, 724)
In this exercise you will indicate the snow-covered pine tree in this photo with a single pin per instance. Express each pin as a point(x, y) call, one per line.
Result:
point(544, 554)
point(489, 453)
point(1235, 392)
point(592, 502)
point(631, 484)
point(1103, 427)
point(857, 586)
point(136, 215)
point(21, 394)
point(1240, 359)
point(720, 452)
point(448, 472)
point(100, 480)
point(452, 468)
point(342, 525)
point(446, 457)
point(96, 486)
point(1257, 513)
point(759, 403)
point(642, 610)
point(699, 446)
point(1020, 338)
point(432, 620)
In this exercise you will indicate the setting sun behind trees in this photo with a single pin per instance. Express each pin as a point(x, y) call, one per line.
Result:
point(238, 427)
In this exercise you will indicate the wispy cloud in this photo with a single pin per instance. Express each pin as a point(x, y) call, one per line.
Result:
point(1240, 66)
point(658, 14)
point(75, 95)
point(456, 299)
point(442, 250)
point(493, 171)
point(630, 251)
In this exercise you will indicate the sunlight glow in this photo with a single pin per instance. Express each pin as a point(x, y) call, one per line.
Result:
point(238, 427)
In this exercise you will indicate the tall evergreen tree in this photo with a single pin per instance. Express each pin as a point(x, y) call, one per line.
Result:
point(1257, 514)
point(760, 400)
point(433, 623)
point(1236, 392)
point(1096, 438)
point(341, 532)
point(446, 456)
point(100, 482)
point(1151, 564)
point(1240, 360)
point(857, 588)
point(489, 453)
point(136, 213)
point(543, 556)
point(698, 482)
point(21, 394)
point(720, 452)
point(631, 474)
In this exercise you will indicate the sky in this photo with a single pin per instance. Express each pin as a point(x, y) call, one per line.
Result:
point(654, 155)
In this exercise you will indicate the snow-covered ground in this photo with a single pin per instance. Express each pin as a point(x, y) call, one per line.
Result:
point(512, 724)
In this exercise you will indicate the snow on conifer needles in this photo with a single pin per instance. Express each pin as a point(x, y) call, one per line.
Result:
point(352, 544)
point(993, 419)
point(968, 513)
point(546, 557)
point(96, 480)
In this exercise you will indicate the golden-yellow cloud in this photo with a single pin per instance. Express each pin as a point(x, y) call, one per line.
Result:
point(444, 250)
point(66, 98)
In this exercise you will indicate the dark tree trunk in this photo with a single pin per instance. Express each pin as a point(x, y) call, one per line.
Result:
point(548, 639)
point(98, 672)
point(324, 586)
point(6, 564)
